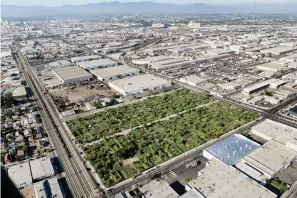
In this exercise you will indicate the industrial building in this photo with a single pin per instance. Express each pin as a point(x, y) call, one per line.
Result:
point(271, 130)
point(219, 51)
point(19, 92)
point(96, 64)
point(28, 192)
point(278, 50)
point(192, 80)
point(158, 189)
point(289, 59)
point(258, 86)
point(148, 60)
point(138, 84)
point(59, 63)
point(272, 66)
point(41, 168)
point(72, 74)
point(220, 180)
point(231, 149)
point(48, 188)
point(111, 73)
point(84, 58)
point(271, 158)
point(20, 174)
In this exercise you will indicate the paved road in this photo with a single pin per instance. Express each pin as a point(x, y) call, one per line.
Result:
point(80, 181)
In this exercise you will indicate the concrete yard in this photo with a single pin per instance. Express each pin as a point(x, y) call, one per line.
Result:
point(80, 93)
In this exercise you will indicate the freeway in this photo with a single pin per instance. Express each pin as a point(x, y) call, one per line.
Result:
point(80, 181)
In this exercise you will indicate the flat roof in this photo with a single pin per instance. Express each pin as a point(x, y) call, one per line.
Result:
point(158, 189)
point(72, 72)
point(55, 188)
point(20, 174)
point(278, 50)
point(279, 132)
point(259, 85)
point(28, 192)
point(96, 63)
point(271, 65)
point(219, 51)
point(80, 58)
point(232, 149)
point(270, 157)
point(193, 78)
point(138, 82)
point(41, 168)
point(220, 180)
point(40, 190)
point(113, 71)
point(193, 193)
point(19, 91)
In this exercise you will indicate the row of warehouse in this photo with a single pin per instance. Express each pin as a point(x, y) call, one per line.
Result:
point(125, 80)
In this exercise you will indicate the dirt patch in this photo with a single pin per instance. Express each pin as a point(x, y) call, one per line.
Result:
point(130, 161)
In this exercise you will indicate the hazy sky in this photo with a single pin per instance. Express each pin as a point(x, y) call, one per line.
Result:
point(77, 2)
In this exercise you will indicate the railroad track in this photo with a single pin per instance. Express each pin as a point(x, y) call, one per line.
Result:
point(77, 176)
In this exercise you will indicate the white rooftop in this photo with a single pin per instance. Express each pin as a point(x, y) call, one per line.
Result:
point(271, 65)
point(278, 50)
point(41, 168)
point(113, 71)
point(96, 63)
point(60, 63)
point(193, 79)
point(270, 157)
point(72, 72)
point(158, 189)
point(259, 85)
point(218, 180)
point(269, 130)
point(55, 188)
point(138, 82)
point(20, 174)
point(19, 91)
point(80, 58)
point(40, 190)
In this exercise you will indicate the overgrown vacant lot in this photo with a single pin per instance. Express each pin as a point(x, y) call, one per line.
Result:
point(122, 157)
point(118, 119)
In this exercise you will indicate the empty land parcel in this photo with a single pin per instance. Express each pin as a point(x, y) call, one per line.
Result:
point(122, 157)
point(119, 119)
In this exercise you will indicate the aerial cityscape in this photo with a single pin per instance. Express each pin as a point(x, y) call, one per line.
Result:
point(149, 99)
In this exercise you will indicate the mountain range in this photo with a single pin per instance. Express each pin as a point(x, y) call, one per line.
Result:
point(146, 8)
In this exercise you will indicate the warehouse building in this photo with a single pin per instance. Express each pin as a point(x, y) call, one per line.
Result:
point(138, 84)
point(72, 74)
point(20, 175)
point(219, 51)
point(231, 149)
point(220, 180)
point(41, 168)
point(258, 86)
point(271, 158)
point(148, 60)
point(19, 92)
point(48, 188)
point(192, 80)
point(84, 58)
point(272, 66)
point(271, 130)
point(96, 64)
point(111, 73)
point(278, 50)
point(158, 189)
point(289, 59)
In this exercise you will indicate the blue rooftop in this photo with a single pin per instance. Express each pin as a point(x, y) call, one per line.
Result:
point(231, 149)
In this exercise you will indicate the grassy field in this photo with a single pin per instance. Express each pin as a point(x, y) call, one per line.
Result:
point(116, 120)
point(154, 144)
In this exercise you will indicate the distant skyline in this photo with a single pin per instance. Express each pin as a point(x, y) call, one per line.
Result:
point(79, 2)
